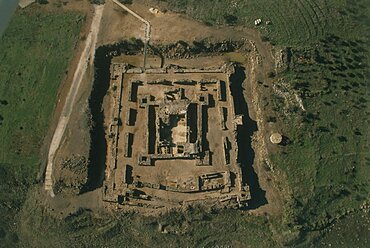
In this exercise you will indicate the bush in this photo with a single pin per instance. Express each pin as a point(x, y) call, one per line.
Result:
point(125, 1)
point(265, 38)
point(97, 1)
point(42, 1)
point(230, 19)
point(271, 119)
point(271, 74)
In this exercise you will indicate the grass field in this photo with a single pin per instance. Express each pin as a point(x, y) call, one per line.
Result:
point(292, 22)
point(34, 54)
point(352, 231)
point(192, 228)
point(327, 156)
point(326, 159)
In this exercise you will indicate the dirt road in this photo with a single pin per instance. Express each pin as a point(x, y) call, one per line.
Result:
point(86, 59)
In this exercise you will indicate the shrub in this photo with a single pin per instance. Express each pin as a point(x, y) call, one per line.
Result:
point(97, 2)
point(42, 1)
point(230, 19)
point(271, 74)
point(125, 1)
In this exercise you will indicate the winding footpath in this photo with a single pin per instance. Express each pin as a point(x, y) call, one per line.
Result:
point(87, 57)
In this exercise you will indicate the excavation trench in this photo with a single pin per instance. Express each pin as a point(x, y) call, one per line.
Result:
point(246, 153)
point(98, 152)
point(98, 146)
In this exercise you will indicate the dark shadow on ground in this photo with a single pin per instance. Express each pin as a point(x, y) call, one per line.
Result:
point(158, 53)
point(244, 138)
point(98, 149)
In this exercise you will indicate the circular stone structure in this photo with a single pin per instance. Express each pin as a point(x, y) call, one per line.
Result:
point(276, 138)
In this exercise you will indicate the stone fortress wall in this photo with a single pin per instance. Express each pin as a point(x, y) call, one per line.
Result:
point(180, 116)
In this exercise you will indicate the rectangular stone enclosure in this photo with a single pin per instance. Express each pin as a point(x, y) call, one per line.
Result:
point(172, 138)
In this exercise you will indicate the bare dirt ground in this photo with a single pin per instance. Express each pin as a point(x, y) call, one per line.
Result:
point(167, 28)
point(165, 171)
point(86, 9)
point(86, 58)
point(254, 72)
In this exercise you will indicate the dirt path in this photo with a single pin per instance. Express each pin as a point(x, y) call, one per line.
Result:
point(146, 30)
point(87, 58)
point(147, 24)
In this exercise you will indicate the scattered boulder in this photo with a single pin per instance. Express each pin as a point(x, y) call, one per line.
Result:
point(73, 175)
point(276, 138)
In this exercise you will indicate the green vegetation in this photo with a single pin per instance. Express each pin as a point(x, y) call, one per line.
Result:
point(326, 156)
point(191, 228)
point(352, 231)
point(43, 1)
point(325, 160)
point(34, 54)
point(290, 22)
point(125, 1)
point(98, 2)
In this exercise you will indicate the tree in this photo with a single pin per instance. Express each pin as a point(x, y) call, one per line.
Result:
point(271, 74)
point(230, 19)
point(125, 1)
point(97, 1)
